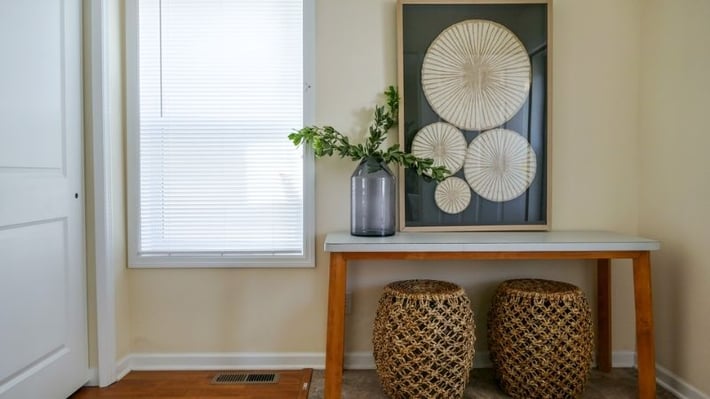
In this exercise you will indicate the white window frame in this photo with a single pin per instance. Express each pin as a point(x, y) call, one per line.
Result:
point(135, 259)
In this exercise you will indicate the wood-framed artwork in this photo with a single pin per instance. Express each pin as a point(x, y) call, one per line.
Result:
point(475, 81)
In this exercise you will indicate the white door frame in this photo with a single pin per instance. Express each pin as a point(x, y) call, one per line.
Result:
point(103, 188)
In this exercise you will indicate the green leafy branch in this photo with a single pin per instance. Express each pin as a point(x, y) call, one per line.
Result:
point(326, 141)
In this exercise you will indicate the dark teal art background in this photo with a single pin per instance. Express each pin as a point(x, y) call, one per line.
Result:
point(421, 24)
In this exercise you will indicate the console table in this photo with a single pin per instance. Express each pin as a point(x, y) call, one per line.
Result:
point(599, 246)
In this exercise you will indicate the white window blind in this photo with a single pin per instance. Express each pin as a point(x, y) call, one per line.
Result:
point(220, 86)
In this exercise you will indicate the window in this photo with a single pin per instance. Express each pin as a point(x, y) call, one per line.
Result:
point(214, 88)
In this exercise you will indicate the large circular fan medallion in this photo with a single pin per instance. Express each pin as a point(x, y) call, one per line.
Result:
point(452, 195)
point(443, 143)
point(476, 74)
point(500, 165)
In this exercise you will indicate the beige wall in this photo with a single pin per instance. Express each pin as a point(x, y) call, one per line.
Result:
point(594, 155)
point(675, 188)
point(630, 89)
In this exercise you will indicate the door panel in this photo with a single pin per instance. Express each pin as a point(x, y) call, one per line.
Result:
point(32, 82)
point(43, 339)
point(29, 282)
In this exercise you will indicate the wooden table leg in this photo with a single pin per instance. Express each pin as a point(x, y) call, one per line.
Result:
point(335, 340)
point(604, 314)
point(644, 327)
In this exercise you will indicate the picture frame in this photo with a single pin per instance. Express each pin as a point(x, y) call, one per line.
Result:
point(471, 101)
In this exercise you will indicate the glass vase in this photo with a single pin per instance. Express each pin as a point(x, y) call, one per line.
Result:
point(373, 205)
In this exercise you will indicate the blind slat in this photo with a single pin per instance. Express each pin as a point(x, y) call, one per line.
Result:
point(220, 88)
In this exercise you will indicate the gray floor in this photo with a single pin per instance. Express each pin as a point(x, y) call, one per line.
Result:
point(363, 384)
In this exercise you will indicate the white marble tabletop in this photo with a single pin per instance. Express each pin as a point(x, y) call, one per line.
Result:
point(490, 242)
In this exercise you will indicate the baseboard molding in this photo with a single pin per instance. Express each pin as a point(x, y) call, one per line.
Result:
point(677, 386)
point(92, 378)
point(287, 360)
point(623, 359)
point(222, 361)
point(123, 367)
point(353, 361)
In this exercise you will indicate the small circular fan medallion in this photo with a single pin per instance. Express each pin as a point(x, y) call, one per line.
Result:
point(452, 195)
point(500, 165)
point(443, 143)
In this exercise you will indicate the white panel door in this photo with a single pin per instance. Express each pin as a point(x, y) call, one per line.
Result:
point(43, 336)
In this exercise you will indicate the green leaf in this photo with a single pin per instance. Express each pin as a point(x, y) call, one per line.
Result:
point(327, 141)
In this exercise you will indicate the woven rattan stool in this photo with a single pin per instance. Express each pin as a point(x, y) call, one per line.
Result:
point(423, 339)
point(540, 339)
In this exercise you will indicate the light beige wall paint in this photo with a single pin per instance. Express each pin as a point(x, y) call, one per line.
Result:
point(596, 61)
point(593, 187)
point(227, 310)
point(675, 188)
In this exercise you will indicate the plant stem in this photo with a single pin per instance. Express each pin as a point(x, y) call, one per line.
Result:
point(328, 141)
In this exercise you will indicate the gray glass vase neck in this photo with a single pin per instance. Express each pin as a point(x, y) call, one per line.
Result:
point(373, 205)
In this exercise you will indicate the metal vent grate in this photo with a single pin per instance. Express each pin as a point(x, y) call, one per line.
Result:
point(246, 378)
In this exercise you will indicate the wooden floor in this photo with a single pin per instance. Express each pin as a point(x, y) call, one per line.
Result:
point(292, 384)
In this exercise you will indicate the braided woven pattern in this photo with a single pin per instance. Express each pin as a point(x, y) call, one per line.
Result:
point(540, 339)
point(423, 339)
